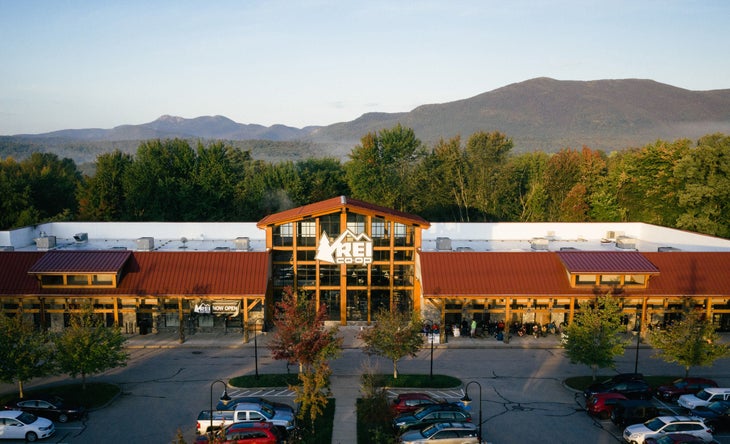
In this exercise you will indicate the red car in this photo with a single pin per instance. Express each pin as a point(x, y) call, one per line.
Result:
point(410, 402)
point(602, 404)
point(683, 386)
point(245, 433)
point(674, 438)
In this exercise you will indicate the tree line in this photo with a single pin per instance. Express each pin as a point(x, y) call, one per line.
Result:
point(682, 184)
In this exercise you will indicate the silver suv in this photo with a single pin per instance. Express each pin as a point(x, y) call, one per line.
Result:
point(706, 396)
point(443, 433)
point(662, 425)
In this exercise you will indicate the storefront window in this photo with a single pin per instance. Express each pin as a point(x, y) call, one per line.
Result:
point(329, 275)
point(379, 232)
point(356, 223)
point(282, 236)
point(380, 275)
point(306, 233)
point(357, 305)
point(403, 235)
point(331, 299)
point(380, 300)
point(357, 276)
point(330, 224)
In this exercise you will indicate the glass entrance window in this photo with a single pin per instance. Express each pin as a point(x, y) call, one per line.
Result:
point(357, 305)
point(331, 299)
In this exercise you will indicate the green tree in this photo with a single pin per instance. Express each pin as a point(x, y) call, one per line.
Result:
point(692, 341)
point(594, 336)
point(704, 195)
point(25, 352)
point(101, 197)
point(301, 337)
point(87, 346)
point(562, 173)
point(486, 155)
point(381, 167)
point(444, 173)
point(394, 335)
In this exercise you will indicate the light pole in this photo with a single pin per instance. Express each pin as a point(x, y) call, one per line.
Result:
point(224, 398)
point(638, 338)
point(430, 337)
point(256, 346)
point(466, 400)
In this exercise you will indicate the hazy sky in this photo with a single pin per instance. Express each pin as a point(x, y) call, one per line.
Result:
point(99, 64)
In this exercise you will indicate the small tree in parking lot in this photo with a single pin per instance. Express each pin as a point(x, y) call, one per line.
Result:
point(25, 352)
point(691, 341)
point(394, 335)
point(594, 336)
point(87, 346)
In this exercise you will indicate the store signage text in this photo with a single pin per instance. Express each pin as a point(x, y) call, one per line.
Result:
point(225, 308)
point(359, 250)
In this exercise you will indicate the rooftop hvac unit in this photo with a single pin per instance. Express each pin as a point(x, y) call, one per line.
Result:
point(45, 242)
point(145, 244)
point(626, 243)
point(81, 237)
point(539, 243)
point(461, 249)
point(443, 244)
point(7, 248)
point(242, 243)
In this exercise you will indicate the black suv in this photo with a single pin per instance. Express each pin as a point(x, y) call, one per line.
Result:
point(447, 412)
point(631, 388)
point(632, 411)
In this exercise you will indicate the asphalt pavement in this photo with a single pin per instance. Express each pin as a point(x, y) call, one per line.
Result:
point(519, 381)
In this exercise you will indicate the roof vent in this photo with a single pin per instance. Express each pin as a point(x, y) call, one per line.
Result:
point(7, 248)
point(626, 243)
point(463, 249)
point(45, 242)
point(222, 249)
point(81, 237)
point(145, 243)
point(665, 249)
point(242, 243)
point(443, 244)
point(539, 243)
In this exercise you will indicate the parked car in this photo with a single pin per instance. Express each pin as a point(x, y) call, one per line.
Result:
point(410, 402)
point(244, 412)
point(663, 425)
point(632, 389)
point(633, 411)
point(231, 405)
point(51, 407)
point(683, 386)
point(443, 433)
point(705, 396)
point(602, 404)
point(675, 438)
point(17, 424)
point(245, 433)
point(429, 414)
point(716, 415)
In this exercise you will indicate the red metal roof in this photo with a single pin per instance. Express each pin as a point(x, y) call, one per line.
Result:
point(88, 261)
point(493, 273)
point(617, 262)
point(543, 273)
point(155, 274)
point(338, 204)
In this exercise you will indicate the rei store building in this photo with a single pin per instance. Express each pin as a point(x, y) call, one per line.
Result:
point(356, 258)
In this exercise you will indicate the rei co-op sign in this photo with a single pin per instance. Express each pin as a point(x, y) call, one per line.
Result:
point(348, 248)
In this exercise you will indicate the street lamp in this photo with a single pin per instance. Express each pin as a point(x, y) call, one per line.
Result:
point(256, 345)
point(466, 400)
point(430, 336)
point(224, 398)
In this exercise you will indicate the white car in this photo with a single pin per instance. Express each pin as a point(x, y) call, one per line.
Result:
point(662, 425)
point(704, 397)
point(15, 424)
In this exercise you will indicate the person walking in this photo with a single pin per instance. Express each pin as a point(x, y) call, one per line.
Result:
point(473, 327)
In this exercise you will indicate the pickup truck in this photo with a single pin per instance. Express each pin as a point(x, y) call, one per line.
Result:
point(244, 412)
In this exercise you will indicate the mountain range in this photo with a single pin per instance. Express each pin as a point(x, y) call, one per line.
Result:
point(539, 114)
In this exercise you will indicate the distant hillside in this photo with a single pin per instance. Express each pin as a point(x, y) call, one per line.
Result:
point(539, 114)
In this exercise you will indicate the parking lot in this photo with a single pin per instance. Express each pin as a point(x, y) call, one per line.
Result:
point(522, 395)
